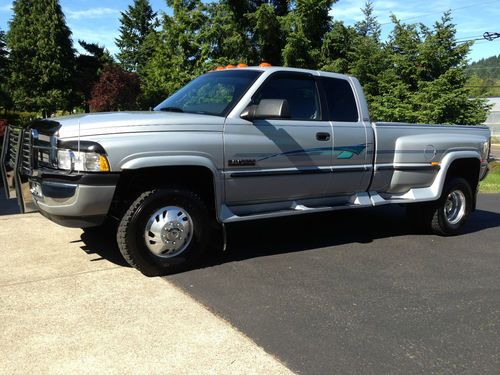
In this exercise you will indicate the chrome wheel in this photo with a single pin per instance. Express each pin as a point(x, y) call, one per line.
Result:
point(454, 207)
point(168, 232)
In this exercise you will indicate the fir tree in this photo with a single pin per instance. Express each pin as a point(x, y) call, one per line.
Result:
point(266, 34)
point(305, 28)
point(425, 80)
point(369, 25)
point(4, 72)
point(42, 53)
point(221, 39)
point(136, 24)
point(178, 56)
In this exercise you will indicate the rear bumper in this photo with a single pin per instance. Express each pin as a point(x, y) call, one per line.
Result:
point(74, 201)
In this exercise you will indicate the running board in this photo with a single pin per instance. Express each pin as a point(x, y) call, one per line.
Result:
point(360, 200)
point(356, 201)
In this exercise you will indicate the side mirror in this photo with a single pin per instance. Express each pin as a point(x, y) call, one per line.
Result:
point(267, 109)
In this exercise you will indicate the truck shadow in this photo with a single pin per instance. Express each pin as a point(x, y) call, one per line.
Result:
point(102, 242)
point(308, 232)
point(300, 233)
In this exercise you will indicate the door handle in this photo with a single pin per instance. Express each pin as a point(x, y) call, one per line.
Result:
point(323, 137)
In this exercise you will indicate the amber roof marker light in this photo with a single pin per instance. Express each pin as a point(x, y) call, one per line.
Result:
point(242, 65)
point(265, 65)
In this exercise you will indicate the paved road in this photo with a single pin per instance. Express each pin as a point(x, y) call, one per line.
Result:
point(362, 292)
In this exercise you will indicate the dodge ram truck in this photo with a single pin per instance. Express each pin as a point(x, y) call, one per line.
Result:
point(243, 144)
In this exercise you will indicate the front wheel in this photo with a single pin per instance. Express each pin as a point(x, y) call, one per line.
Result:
point(165, 231)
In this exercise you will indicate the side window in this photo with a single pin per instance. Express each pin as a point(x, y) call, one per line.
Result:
point(340, 100)
point(300, 92)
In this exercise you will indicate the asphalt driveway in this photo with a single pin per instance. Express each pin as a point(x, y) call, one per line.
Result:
point(362, 292)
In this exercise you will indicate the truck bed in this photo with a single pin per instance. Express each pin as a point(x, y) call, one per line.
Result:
point(410, 156)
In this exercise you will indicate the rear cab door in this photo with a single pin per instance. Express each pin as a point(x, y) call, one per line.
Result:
point(353, 136)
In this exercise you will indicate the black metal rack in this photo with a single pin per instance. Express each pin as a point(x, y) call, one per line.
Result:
point(15, 166)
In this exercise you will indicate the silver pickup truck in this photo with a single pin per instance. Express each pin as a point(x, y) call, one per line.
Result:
point(243, 144)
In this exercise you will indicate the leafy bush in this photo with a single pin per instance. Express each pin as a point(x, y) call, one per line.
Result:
point(19, 118)
point(116, 90)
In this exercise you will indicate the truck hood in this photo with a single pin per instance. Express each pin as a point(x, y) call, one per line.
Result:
point(127, 122)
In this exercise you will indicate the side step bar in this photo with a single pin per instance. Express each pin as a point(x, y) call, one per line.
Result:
point(359, 200)
point(295, 208)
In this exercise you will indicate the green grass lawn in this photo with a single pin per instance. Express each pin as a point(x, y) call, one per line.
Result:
point(492, 183)
point(495, 139)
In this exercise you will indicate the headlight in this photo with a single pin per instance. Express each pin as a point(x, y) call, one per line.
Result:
point(82, 161)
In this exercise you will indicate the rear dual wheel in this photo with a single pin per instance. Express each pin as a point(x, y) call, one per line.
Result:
point(447, 215)
point(165, 231)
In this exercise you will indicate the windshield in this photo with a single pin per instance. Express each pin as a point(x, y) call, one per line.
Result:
point(212, 93)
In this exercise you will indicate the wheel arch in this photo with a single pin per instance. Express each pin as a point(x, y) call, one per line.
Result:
point(196, 173)
point(468, 168)
point(465, 164)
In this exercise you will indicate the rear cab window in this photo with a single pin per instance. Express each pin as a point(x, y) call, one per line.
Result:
point(340, 100)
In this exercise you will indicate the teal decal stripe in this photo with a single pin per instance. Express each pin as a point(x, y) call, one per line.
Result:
point(341, 152)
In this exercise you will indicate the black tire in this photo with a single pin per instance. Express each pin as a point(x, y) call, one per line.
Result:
point(439, 222)
point(432, 215)
point(131, 238)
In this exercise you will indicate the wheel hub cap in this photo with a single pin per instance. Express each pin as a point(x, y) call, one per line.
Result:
point(454, 207)
point(168, 232)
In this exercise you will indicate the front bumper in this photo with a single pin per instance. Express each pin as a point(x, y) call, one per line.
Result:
point(74, 200)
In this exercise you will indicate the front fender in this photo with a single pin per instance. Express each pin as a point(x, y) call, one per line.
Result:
point(155, 161)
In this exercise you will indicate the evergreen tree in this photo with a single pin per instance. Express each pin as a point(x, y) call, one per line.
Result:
point(4, 72)
point(425, 79)
point(369, 25)
point(369, 55)
point(178, 55)
point(337, 51)
point(418, 75)
point(266, 34)
point(42, 53)
point(136, 24)
point(305, 28)
point(222, 40)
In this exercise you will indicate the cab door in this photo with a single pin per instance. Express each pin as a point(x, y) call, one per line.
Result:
point(271, 160)
point(352, 153)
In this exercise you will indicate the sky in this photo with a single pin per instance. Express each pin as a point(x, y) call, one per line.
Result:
point(98, 20)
